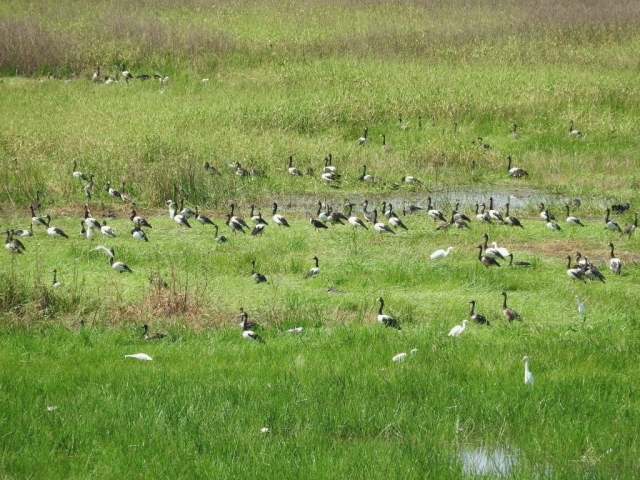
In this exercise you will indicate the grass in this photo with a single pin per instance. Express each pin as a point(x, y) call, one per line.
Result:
point(303, 79)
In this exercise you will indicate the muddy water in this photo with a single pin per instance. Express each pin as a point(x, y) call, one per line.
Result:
point(467, 196)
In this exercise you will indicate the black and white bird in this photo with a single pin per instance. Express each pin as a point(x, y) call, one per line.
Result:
point(507, 312)
point(258, 229)
point(512, 221)
point(277, 218)
point(494, 214)
point(113, 193)
point(365, 177)
point(219, 238)
point(486, 261)
point(138, 234)
point(314, 270)
point(386, 320)
point(551, 225)
point(89, 221)
point(256, 219)
point(77, 173)
point(147, 335)
point(514, 131)
point(368, 215)
point(119, 267)
point(574, 272)
point(177, 217)
point(385, 148)
point(544, 213)
point(35, 219)
point(54, 231)
point(126, 74)
point(570, 219)
point(233, 225)
point(186, 212)
point(615, 265)
point(328, 167)
point(293, 170)
point(246, 332)
point(23, 232)
point(573, 131)
point(257, 276)
point(411, 179)
point(482, 216)
point(355, 221)
point(515, 172)
point(236, 219)
point(395, 222)
point(138, 220)
point(202, 219)
point(13, 245)
point(107, 230)
point(379, 226)
point(476, 317)
point(55, 283)
point(433, 213)
point(610, 224)
point(363, 139)
point(491, 252)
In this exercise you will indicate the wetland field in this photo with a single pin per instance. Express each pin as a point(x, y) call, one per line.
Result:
point(413, 106)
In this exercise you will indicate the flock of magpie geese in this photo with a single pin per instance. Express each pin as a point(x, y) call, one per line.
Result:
point(385, 222)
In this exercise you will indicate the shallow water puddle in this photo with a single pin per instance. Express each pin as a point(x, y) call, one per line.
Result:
point(480, 461)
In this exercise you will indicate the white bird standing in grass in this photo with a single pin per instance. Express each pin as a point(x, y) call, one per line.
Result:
point(528, 376)
point(401, 357)
point(458, 329)
point(582, 309)
point(440, 253)
point(295, 330)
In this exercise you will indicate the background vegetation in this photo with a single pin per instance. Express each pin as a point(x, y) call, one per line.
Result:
point(303, 79)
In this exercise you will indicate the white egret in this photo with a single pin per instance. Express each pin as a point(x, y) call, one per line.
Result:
point(139, 356)
point(440, 253)
point(458, 329)
point(528, 376)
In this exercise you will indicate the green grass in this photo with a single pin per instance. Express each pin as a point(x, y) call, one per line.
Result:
point(303, 79)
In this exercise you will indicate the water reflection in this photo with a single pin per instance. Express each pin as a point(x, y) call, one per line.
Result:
point(480, 461)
